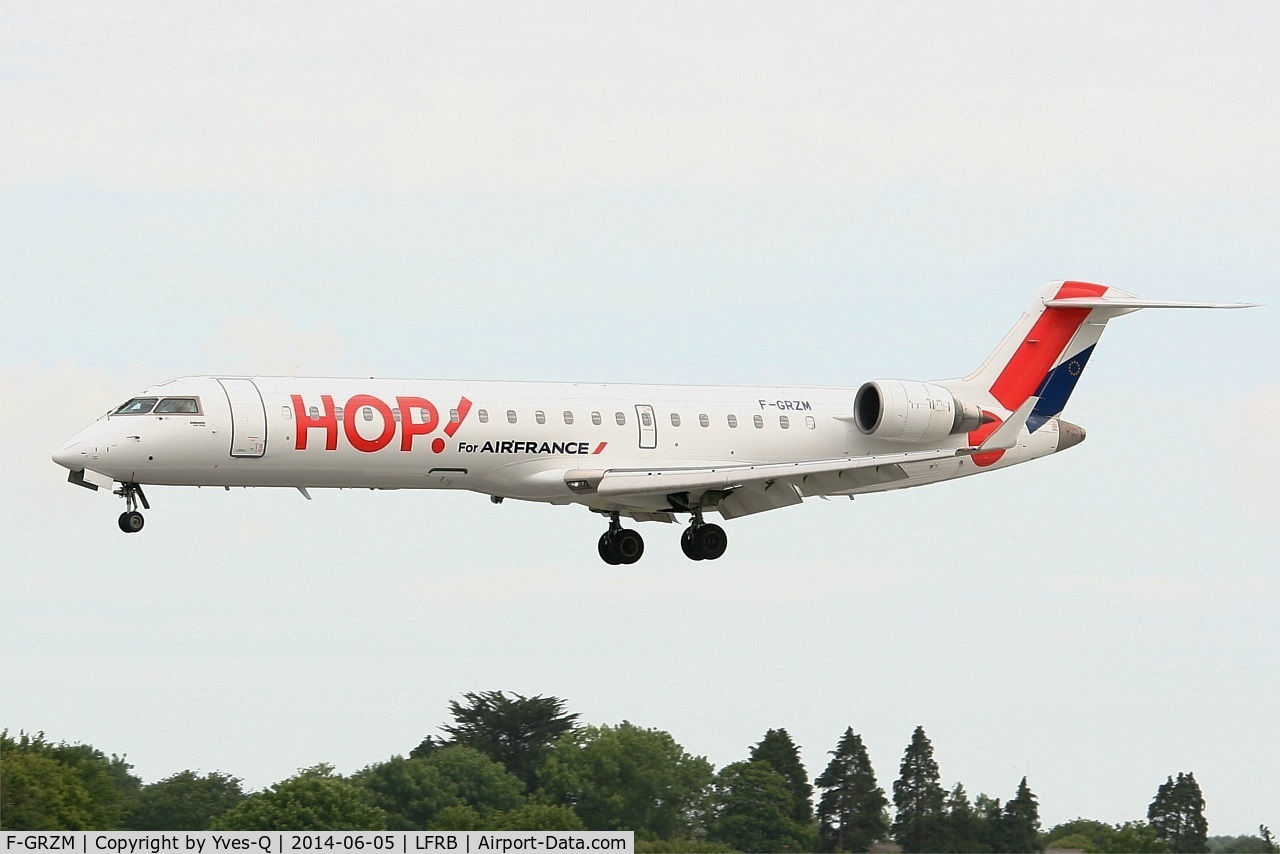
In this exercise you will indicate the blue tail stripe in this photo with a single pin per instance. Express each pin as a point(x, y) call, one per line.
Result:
point(1056, 388)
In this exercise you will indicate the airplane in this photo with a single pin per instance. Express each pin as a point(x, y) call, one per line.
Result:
point(643, 452)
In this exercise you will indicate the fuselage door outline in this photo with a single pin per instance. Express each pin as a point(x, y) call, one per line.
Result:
point(648, 427)
point(248, 418)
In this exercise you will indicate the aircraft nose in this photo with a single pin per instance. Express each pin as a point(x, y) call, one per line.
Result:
point(69, 455)
point(1069, 435)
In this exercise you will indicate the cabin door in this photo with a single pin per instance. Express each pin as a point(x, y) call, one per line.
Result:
point(648, 426)
point(248, 418)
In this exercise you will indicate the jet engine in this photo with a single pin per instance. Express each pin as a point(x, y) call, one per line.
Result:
point(906, 411)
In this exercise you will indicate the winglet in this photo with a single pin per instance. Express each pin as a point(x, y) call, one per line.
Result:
point(1006, 435)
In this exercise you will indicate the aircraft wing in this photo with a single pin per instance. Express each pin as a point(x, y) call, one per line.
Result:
point(754, 488)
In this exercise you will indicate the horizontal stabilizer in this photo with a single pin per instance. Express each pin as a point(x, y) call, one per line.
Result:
point(1135, 303)
point(1006, 436)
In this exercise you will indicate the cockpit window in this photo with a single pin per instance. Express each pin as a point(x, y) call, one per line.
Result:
point(137, 406)
point(185, 405)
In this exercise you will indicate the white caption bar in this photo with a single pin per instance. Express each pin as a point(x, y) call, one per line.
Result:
point(318, 842)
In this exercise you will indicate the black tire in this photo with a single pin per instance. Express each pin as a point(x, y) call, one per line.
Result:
point(689, 545)
point(606, 550)
point(712, 541)
point(626, 546)
point(131, 522)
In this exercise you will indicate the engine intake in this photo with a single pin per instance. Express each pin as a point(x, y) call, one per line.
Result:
point(906, 411)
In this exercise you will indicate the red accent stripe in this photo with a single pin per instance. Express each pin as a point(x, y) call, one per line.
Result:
point(464, 406)
point(1035, 356)
point(599, 448)
point(977, 437)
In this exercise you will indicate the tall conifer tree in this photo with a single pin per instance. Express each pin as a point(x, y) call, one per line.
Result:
point(1177, 814)
point(851, 809)
point(918, 798)
point(777, 749)
point(1021, 821)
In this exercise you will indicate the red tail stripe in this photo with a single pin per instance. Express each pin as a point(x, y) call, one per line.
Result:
point(1048, 337)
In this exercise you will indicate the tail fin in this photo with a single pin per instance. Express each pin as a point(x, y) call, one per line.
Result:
point(1048, 348)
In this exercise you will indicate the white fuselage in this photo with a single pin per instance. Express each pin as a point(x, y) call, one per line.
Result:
point(509, 439)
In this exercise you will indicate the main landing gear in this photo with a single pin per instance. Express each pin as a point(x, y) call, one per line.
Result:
point(700, 541)
point(703, 541)
point(620, 545)
point(131, 520)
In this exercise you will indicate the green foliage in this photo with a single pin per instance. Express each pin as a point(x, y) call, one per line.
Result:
point(918, 798)
point(413, 791)
point(1096, 833)
point(460, 817)
point(964, 829)
point(1020, 824)
point(1072, 841)
point(781, 753)
point(39, 793)
point(628, 778)
point(754, 810)
point(1177, 815)
point(851, 807)
point(1239, 845)
point(538, 817)
point(682, 846)
point(513, 730)
point(184, 801)
point(313, 799)
point(1133, 837)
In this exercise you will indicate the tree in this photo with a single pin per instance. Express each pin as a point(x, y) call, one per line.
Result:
point(107, 782)
point(1177, 814)
point(963, 828)
point(313, 799)
point(37, 792)
point(1020, 825)
point(413, 792)
point(918, 798)
point(781, 753)
point(1134, 837)
point(1094, 833)
point(754, 810)
point(538, 817)
point(512, 730)
point(184, 801)
point(851, 807)
point(627, 778)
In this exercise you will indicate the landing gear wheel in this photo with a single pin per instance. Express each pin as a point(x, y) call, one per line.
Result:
point(690, 547)
point(606, 552)
point(711, 540)
point(625, 546)
point(131, 521)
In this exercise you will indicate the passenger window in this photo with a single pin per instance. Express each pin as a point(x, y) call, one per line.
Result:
point(733, 420)
point(758, 420)
point(595, 418)
point(314, 412)
point(809, 422)
point(454, 418)
point(568, 417)
point(511, 416)
point(620, 418)
point(286, 413)
point(784, 422)
point(181, 405)
point(675, 419)
point(395, 414)
point(337, 412)
point(367, 412)
point(483, 415)
point(646, 419)
point(704, 420)
point(137, 406)
point(540, 417)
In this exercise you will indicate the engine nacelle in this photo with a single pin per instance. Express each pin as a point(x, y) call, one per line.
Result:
point(906, 411)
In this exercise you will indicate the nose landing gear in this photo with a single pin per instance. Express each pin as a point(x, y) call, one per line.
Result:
point(131, 520)
point(620, 545)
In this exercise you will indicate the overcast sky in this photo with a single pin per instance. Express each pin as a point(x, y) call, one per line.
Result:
point(686, 192)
